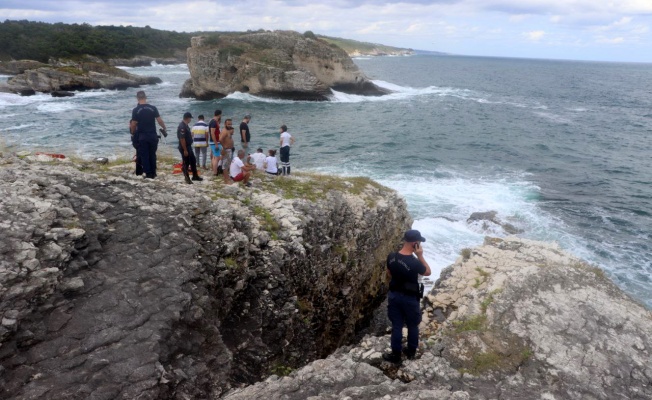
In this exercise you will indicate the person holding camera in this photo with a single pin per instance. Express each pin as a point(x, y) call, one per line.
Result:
point(404, 295)
point(143, 125)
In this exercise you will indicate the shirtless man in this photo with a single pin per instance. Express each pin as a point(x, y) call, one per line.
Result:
point(226, 140)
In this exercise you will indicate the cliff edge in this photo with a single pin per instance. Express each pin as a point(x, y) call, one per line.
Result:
point(279, 64)
point(114, 287)
point(513, 319)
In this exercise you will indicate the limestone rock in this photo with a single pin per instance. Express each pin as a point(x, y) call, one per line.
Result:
point(521, 320)
point(115, 287)
point(281, 64)
point(16, 67)
point(83, 76)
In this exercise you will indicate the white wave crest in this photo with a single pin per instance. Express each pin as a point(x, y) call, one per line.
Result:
point(398, 92)
point(56, 107)
point(250, 98)
point(17, 127)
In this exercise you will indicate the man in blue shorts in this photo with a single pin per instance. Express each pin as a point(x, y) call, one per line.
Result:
point(214, 140)
point(143, 124)
point(404, 294)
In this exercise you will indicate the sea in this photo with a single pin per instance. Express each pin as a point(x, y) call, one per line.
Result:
point(562, 150)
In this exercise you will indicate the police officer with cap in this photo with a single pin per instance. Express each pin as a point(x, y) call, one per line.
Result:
point(403, 308)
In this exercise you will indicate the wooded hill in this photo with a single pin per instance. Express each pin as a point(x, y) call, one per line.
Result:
point(29, 40)
point(39, 41)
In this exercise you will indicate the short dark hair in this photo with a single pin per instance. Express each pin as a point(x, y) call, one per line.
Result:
point(260, 150)
point(272, 152)
point(218, 113)
point(284, 128)
point(200, 116)
point(227, 120)
point(141, 94)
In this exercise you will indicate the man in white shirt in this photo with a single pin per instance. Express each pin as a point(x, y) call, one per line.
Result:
point(258, 159)
point(240, 172)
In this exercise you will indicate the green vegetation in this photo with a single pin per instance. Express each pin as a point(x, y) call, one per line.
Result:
point(39, 41)
point(342, 252)
point(484, 274)
point(488, 300)
point(267, 220)
point(230, 262)
point(315, 187)
point(30, 40)
point(71, 70)
point(474, 323)
point(281, 370)
point(466, 254)
point(597, 271)
point(351, 46)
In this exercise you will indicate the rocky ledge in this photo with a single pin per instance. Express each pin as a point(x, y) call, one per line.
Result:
point(115, 287)
point(513, 319)
point(279, 64)
point(61, 78)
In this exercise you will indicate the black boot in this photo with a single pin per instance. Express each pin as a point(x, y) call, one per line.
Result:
point(392, 357)
point(410, 354)
point(197, 178)
point(188, 181)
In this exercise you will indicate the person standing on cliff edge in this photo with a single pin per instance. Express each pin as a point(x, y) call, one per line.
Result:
point(143, 123)
point(245, 135)
point(184, 134)
point(404, 295)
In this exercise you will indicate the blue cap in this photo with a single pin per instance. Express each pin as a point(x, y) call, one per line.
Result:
point(413, 236)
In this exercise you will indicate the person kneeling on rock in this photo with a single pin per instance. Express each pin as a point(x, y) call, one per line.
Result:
point(239, 171)
point(184, 134)
point(403, 306)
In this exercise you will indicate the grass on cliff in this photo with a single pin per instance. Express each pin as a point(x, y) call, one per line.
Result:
point(267, 221)
point(315, 187)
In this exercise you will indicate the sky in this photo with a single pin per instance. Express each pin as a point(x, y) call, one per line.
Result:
point(601, 30)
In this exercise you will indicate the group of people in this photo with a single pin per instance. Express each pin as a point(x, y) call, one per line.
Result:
point(403, 267)
point(195, 142)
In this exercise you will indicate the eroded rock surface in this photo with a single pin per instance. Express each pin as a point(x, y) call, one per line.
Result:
point(517, 319)
point(280, 64)
point(81, 76)
point(112, 287)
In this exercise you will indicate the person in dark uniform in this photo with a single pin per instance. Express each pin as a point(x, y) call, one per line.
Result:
point(245, 135)
point(404, 295)
point(184, 134)
point(143, 123)
point(134, 143)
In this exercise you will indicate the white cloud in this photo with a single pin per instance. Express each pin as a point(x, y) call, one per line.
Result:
point(616, 40)
point(487, 27)
point(534, 35)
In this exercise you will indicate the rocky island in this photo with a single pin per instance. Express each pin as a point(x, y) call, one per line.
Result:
point(112, 287)
point(60, 78)
point(279, 64)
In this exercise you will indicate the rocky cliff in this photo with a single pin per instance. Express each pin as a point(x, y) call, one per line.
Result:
point(281, 64)
point(112, 287)
point(513, 319)
point(73, 76)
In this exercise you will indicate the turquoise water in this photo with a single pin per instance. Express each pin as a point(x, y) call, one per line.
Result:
point(560, 149)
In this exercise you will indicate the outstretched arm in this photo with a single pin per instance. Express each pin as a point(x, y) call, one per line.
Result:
point(161, 123)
